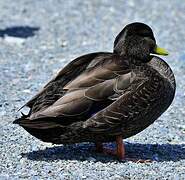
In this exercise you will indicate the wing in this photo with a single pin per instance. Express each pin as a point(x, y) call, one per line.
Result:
point(114, 118)
point(94, 89)
point(51, 93)
point(98, 85)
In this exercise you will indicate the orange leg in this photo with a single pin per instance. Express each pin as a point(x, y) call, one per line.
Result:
point(120, 151)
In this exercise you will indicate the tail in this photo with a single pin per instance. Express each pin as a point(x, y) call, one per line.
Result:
point(40, 123)
point(50, 130)
point(44, 128)
point(19, 120)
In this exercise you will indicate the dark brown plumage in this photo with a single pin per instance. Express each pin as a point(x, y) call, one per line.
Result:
point(101, 96)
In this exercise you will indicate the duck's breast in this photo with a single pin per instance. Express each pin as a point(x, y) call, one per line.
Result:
point(150, 100)
point(164, 70)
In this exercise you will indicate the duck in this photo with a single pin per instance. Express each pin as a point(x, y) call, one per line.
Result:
point(104, 96)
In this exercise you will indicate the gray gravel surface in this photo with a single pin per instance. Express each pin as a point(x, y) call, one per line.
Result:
point(51, 33)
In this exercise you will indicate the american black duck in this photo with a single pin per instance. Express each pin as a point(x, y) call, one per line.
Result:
point(104, 96)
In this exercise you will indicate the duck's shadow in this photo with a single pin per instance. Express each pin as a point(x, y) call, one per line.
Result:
point(83, 152)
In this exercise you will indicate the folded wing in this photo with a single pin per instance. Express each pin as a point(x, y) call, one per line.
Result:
point(83, 88)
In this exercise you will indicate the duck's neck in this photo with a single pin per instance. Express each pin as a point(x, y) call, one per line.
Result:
point(135, 59)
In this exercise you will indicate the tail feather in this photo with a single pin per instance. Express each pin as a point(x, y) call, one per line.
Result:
point(43, 129)
point(23, 117)
point(50, 130)
point(19, 120)
point(42, 123)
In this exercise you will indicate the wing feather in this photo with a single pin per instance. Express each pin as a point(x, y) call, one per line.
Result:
point(116, 114)
point(68, 73)
point(84, 88)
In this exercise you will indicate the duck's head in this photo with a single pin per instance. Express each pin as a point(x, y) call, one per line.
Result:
point(137, 40)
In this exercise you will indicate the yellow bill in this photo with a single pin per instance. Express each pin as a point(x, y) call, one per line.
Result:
point(160, 51)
